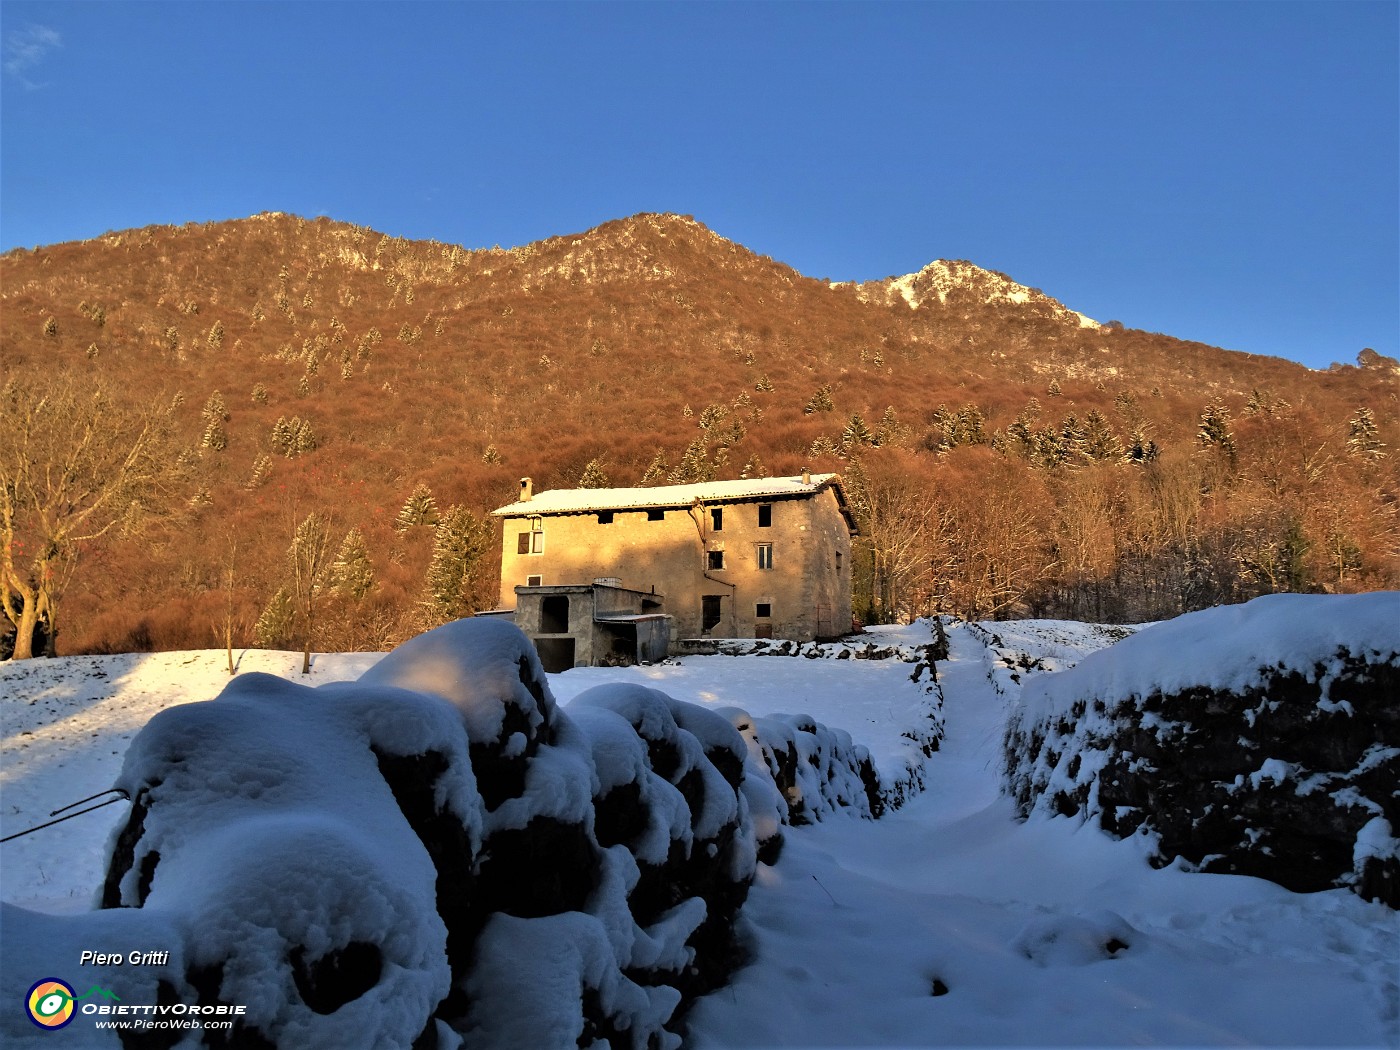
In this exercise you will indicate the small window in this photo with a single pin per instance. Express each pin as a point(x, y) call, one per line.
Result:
point(715, 559)
point(605, 517)
point(656, 515)
point(534, 581)
point(763, 610)
point(717, 519)
point(522, 544)
point(765, 515)
point(765, 555)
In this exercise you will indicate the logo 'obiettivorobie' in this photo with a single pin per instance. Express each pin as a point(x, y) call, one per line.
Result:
point(50, 1003)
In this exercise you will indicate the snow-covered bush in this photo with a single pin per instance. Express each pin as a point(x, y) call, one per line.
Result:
point(439, 854)
point(1260, 739)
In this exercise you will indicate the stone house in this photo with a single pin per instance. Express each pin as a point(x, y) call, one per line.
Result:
point(758, 558)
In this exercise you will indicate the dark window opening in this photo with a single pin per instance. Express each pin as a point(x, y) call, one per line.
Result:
point(716, 559)
point(765, 555)
point(554, 614)
point(710, 611)
point(534, 581)
point(717, 519)
point(656, 515)
point(763, 610)
point(765, 515)
point(605, 517)
point(522, 543)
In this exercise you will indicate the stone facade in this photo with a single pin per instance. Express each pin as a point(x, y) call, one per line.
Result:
point(594, 625)
point(760, 558)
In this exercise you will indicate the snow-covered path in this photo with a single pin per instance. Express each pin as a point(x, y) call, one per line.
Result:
point(1037, 934)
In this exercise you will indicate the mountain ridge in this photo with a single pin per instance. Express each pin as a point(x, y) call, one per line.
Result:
point(642, 341)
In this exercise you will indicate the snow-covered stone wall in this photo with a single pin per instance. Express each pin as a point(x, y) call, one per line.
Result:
point(439, 855)
point(1260, 739)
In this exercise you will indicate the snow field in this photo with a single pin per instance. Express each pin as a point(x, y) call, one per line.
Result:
point(1043, 933)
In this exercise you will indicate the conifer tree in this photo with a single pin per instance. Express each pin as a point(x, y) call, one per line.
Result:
point(1363, 436)
point(754, 468)
point(655, 473)
point(352, 573)
point(593, 476)
point(856, 434)
point(695, 465)
point(215, 438)
point(293, 436)
point(1073, 439)
point(1141, 449)
point(1100, 442)
point(969, 426)
point(274, 627)
point(214, 408)
point(820, 401)
point(889, 431)
point(1214, 429)
point(214, 414)
point(460, 544)
point(419, 509)
point(262, 467)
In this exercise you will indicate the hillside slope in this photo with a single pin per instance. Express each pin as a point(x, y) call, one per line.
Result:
point(652, 342)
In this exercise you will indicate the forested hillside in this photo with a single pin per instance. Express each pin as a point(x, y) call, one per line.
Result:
point(244, 431)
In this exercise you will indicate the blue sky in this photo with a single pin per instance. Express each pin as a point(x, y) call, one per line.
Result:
point(1226, 172)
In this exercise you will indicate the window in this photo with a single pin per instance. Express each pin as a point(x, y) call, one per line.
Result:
point(765, 555)
point(710, 611)
point(763, 610)
point(715, 559)
point(531, 542)
point(534, 581)
point(765, 515)
point(605, 517)
point(717, 519)
point(656, 515)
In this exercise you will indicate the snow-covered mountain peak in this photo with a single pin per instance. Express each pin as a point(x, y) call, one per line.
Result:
point(945, 280)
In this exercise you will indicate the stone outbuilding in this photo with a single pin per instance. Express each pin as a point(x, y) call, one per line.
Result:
point(755, 558)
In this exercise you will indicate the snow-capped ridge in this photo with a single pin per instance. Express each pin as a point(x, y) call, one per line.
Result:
point(957, 279)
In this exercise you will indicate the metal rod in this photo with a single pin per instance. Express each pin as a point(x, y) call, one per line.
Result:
point(60, 820)
point(119, 791)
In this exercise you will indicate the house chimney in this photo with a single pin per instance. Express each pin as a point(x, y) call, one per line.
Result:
point(806, 476)
point(527, 490)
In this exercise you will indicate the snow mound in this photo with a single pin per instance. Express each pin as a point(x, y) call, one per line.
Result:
point(439, 852)
point(1258, 739)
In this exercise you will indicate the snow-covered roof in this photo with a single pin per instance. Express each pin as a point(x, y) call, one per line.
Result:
point(584, 501)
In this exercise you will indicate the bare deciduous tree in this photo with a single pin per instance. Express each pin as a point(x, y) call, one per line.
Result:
point(309, 559)
point(74, 466)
